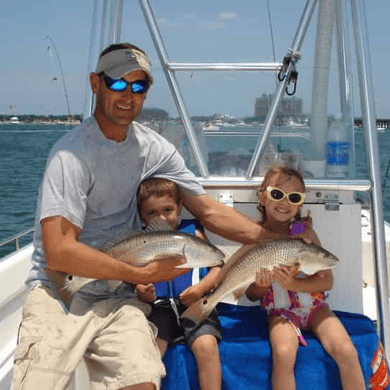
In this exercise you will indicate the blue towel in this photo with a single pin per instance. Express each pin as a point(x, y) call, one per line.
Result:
point(246, 355)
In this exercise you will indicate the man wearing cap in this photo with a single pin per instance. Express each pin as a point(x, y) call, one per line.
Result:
point(87, 197)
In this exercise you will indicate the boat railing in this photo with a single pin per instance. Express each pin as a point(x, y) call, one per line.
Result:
point(16, 238)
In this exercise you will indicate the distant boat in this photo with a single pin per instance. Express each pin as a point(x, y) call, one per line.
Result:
point(14, 120)
point(210, 127)
point(381, 129)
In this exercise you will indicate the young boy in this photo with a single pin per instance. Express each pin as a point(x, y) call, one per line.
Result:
point(161, 198)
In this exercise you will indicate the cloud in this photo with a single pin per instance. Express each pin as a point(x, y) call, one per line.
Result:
point(164, 22)
point(175, 25)
point(213, 26)
point(226, 16)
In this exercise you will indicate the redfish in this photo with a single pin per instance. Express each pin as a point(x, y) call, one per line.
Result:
point(240, 270)
point(144, 248)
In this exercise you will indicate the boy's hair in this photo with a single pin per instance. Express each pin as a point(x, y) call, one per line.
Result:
point(159, 187)
point(290, 172)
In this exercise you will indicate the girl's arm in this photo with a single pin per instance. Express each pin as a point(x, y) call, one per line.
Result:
point(320, 281)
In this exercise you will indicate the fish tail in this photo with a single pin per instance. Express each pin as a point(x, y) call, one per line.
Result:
point(197, 312)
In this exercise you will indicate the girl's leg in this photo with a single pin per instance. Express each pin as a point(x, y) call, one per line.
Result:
point(284, 344)
point(205, 349)
point(336, 341)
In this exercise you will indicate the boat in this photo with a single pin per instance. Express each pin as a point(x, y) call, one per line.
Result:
point(210, 127)
point(14, 120)
point(350, 226)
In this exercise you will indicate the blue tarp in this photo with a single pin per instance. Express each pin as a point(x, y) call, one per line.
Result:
point(246, 355)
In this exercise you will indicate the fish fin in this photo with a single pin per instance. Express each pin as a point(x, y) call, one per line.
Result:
point(157, 225)
point(123, 235)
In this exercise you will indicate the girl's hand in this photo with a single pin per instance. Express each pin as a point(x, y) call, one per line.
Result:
point(285, 276)
point(263, 277)
point(190, 295)
point(146, 292)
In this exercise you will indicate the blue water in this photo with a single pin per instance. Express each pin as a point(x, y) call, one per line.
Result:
point(24, 150)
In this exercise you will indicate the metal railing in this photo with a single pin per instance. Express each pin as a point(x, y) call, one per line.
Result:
point(16, 238)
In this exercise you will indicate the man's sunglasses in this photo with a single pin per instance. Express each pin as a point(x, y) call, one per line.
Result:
point(120, 85)
point(277, 195)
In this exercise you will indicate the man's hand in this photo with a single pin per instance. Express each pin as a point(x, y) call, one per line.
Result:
point(305, 232)
point(163, 269)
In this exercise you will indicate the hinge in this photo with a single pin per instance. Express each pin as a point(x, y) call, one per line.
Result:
point(332, 202)
point(227, 199)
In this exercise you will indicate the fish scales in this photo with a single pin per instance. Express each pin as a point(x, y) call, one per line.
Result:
point(144, 248)
point(240, 271)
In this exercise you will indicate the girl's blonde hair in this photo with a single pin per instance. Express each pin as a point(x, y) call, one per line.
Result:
point(290, 172)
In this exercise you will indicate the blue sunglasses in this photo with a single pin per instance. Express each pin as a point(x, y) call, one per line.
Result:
point(120, 85)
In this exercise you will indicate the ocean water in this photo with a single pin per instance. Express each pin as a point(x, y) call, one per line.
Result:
point(24, 150)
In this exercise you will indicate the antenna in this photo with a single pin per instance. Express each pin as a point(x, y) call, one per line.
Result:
point(62, 73)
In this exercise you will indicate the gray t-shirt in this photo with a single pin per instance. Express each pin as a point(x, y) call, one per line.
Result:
point(92, 181)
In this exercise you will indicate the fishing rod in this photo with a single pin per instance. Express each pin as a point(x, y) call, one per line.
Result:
point(62, 73)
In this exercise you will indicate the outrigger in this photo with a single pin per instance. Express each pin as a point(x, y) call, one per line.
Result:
point(350, 226)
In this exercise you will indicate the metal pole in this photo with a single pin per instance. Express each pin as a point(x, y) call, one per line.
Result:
point(345, 82)
point(88, 98)
point(371, 137)
point(297, 42)
point(173, 85)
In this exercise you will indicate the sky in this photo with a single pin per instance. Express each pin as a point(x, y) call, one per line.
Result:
point(196, 31)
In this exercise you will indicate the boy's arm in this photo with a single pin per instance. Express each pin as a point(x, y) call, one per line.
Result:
point(193, 293)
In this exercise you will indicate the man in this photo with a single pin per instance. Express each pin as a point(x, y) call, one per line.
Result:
point(87, 195)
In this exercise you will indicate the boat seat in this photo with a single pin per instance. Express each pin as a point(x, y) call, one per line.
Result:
point(246, 355)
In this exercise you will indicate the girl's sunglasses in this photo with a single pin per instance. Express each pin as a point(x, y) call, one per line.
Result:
point(277, 195)
point(120, 85)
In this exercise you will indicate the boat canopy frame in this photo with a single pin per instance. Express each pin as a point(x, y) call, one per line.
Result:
point(112, 17)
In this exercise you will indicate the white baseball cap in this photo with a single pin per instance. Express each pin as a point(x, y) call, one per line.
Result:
point(118, 63)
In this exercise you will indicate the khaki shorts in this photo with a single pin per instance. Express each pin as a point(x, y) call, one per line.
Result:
point(113, 336)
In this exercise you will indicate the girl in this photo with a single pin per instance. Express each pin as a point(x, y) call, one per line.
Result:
point(296, 301)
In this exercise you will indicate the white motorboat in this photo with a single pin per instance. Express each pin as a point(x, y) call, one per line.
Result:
point(354, 230)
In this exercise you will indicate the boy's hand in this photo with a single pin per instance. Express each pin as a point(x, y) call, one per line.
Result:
point(146, 292)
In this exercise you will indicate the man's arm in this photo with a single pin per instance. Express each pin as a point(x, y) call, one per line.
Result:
point(224, 220)
point(65, 253)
